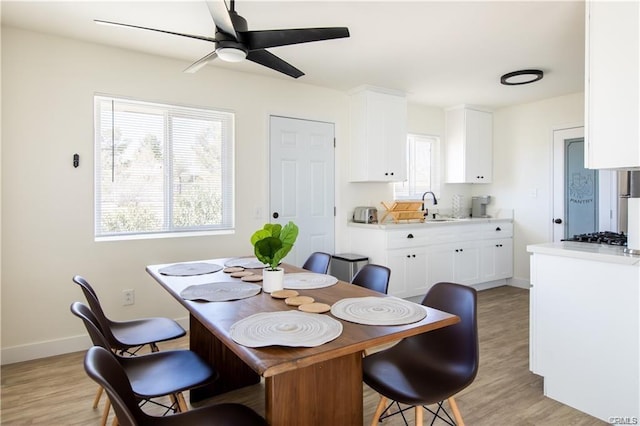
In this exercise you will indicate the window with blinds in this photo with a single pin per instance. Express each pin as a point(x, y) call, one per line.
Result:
point(161, 168)
point(423, 161)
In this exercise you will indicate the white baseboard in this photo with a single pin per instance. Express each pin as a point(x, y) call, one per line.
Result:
point(489, 284)
point(520, 283)
point(49, 348)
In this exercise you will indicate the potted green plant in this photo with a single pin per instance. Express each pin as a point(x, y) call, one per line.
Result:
point(270, 245)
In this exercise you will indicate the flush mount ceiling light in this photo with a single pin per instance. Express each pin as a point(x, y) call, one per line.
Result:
point(231, 54)
point(521, 77)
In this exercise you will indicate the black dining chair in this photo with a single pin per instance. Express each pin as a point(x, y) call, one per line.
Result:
point(130, 336)
point(317, 262)
point(101, 365)
point(156, 374)
point(431, 367)
point(374, 277)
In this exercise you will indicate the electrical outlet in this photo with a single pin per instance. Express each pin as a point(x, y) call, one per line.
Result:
point(128, 297)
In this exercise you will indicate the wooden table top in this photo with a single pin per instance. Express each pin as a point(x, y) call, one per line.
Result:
point(218, 317)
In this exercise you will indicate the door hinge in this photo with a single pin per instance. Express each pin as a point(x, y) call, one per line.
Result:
point(334, 211)
point(334, 142)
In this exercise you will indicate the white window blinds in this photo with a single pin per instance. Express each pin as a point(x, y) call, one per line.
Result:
point(161, 168)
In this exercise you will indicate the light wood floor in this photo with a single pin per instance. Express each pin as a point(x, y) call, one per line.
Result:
point(56, 391)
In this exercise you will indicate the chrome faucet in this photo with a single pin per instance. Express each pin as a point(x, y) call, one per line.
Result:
point(434, 199)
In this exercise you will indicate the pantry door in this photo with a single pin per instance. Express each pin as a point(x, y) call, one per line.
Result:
point(582, 198)
point(302, 183)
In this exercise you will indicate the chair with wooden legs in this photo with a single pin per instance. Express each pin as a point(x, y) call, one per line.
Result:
point(431, 367)
point(101, 365)
point(156, 374)
point(128, 336)
point(317, 262)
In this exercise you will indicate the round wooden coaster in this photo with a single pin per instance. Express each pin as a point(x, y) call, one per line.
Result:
point(284, 294)
point(315, 308)
point(253, 278)
point(233, 269)
point(241, 274)
point(298, 300)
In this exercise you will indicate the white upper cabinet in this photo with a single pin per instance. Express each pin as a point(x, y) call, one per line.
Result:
point(469, 145)
point(378, 136)
point(612, 85)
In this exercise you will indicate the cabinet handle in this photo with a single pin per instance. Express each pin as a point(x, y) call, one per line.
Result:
point(413, 255)
point(386, 174)
point(408, 256)
point(391, 173)
point(498, 229)
point(410, 236)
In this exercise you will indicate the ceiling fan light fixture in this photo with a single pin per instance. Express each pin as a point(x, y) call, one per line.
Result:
point(231, 54)
point(517, 78)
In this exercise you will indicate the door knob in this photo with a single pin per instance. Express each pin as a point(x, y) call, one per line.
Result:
point(275, 215)
point(557, 220)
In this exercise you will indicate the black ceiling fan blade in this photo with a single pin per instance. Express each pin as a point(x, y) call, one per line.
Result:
point(117, 24)
point(274, 38)
point(270, 60)
point(201, 62)
point(221, 17)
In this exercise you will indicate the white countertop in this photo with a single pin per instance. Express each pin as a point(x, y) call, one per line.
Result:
point(587, 251)
point(429, 223)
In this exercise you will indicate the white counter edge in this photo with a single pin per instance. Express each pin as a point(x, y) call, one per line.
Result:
point(586, 251)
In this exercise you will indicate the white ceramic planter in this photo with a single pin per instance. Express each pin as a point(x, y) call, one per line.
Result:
point(272, 280)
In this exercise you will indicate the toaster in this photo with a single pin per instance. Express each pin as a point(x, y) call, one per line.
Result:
point(365, 215)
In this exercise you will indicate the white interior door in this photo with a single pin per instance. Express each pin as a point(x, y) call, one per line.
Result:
point(302, 183)
point(583, 199)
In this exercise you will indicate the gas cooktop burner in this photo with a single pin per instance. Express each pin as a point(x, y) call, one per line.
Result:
point(607, 237)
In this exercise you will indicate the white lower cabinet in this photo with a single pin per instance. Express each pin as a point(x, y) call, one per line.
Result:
point(421, 255)
point(408, 271)
point(496, 259)
point(584, 332)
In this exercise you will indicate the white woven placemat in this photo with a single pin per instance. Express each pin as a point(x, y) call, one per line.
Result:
point(308, 280)
point(378, 310)
point(220, 291)
point(285, 328)
point(189, 269)
point(245, 262)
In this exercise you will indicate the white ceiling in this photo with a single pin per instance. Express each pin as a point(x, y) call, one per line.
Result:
point(440, 53)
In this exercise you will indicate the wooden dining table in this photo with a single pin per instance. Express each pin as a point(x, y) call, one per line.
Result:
point(319, 385)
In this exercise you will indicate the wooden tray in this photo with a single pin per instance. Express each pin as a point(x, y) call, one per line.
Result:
point(408, 210)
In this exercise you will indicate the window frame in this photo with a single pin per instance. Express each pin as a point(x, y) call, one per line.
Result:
point(408, 190)
point(169, 112)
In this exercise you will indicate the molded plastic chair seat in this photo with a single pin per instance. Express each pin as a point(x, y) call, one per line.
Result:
point(123, 335)
point(155, 374)
point(374, 277)
point(101, 365)
point(317, 262)
point(430, 367)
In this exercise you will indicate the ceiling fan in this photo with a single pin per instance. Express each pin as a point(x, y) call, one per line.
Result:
point(234, 42)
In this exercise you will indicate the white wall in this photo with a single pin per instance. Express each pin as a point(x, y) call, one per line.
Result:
point(48, 85)
point(522, 153)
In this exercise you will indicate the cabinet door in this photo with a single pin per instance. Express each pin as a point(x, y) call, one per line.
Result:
point(408, 272)
point(466, 263)
point(496, 259)
point(612, 85)
point(378, 137)
point(478, 156)
point(440, 264)
point(469, 146)
point(457, 262)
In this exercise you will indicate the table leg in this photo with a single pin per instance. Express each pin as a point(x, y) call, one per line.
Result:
point(234, 373)
point(327, 393)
